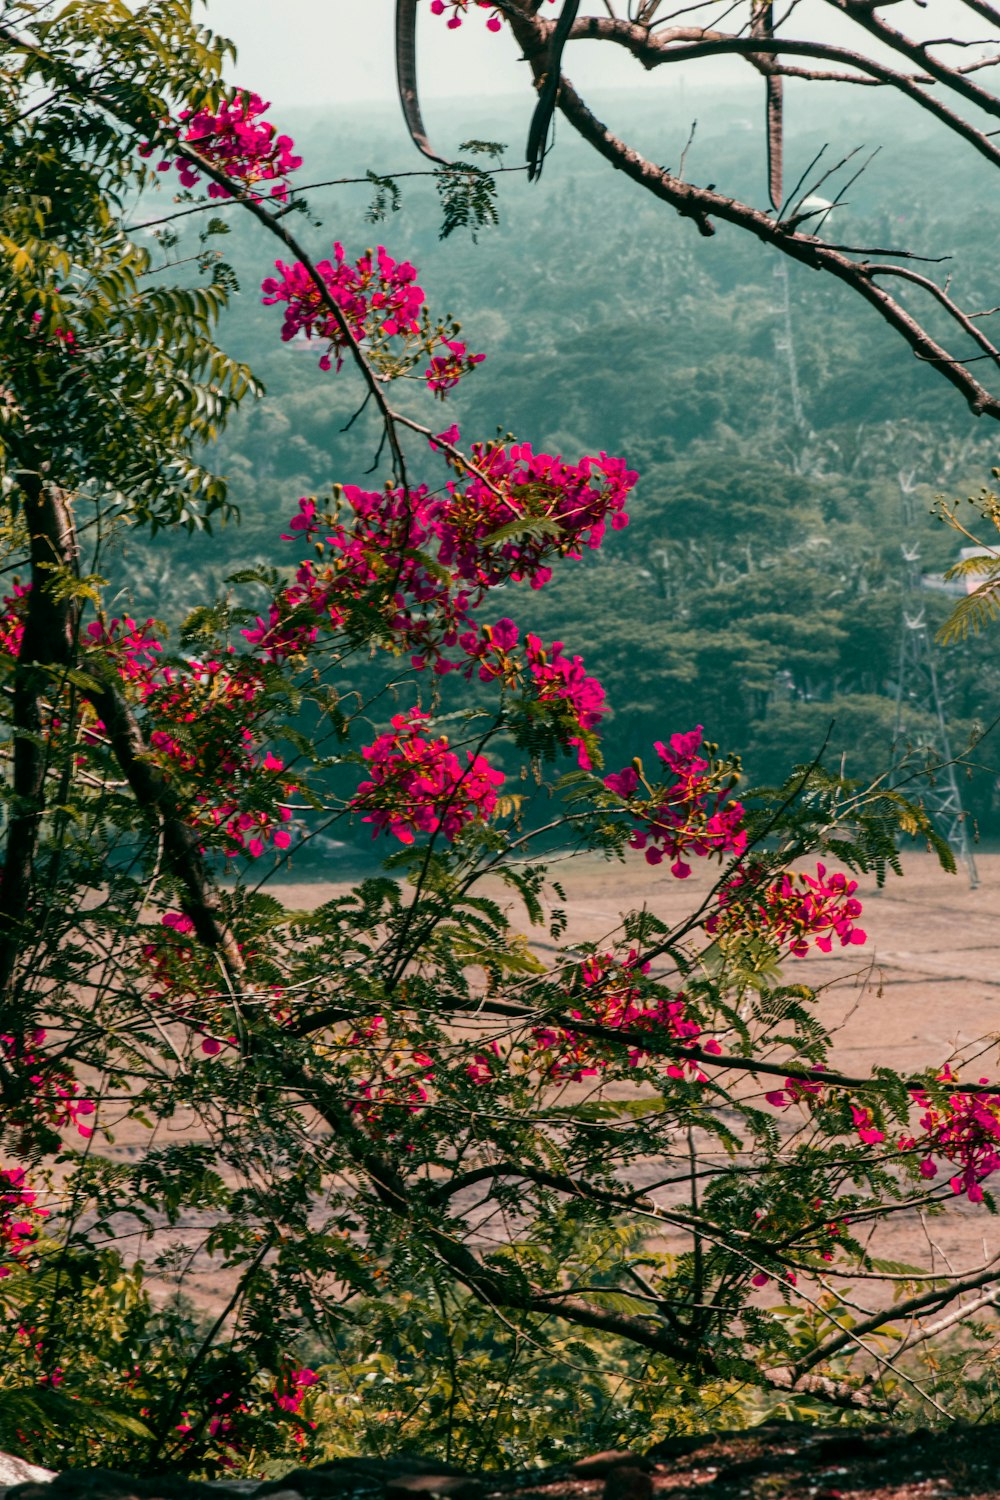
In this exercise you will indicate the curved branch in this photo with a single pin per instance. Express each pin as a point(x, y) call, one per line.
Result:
point(964, 320)
point(666, 1047)
point(406, 79)
point(702, 204)
point(936, 1298)
point(158, 802)
point(490, 1285)
point(681, 46)
point(984, 9)
point(866, 16)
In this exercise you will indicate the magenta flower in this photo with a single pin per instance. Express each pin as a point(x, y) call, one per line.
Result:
point(237, 142)
point(791, 910)
point(378, 297)
point(418, 785)
point(460, 8)
point(691, 814)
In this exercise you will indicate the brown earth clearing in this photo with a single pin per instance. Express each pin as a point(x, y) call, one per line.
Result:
point(925, 988)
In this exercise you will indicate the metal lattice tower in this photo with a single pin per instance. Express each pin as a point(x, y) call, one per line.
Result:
point(917, 685)
point(917, 689)
point(784, 344)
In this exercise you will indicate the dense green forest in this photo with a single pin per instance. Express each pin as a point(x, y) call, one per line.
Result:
point(758, 589)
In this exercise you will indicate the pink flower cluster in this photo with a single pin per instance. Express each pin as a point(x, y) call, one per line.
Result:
point(45, 1090)
point(176, 967)
point(557, 679)
point(561, 679)
point(223, 1426)
point(562, 507)
point(444, 371)
point(64, 336)
point(12, 619)
point(419, 785)
point(380, 301)
point(459, 8)
point(796, 1089)
point(19, 1220)
point(235, 140)
point(290, 1390)
point(966, 1132)
point(377, 538)
point(133, 647)
point(691, 814)
point(864, 1123)
point(389, 537)
point(791, 910)
point(403, 1081)
point(612, 998)
point(199, 723)
point(407, 1091)
point(227, 1418)
point(615, 1000)
point(201, 713)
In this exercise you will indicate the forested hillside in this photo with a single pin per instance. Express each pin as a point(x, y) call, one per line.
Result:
point(761, 593)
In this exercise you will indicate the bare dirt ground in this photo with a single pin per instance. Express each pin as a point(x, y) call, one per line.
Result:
point(925, 988)
point(926, 984)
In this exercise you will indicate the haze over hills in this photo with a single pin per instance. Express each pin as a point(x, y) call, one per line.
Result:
point(758, 588)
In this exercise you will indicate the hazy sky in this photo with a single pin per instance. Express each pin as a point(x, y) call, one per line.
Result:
point(340, 51)
point(331, 51)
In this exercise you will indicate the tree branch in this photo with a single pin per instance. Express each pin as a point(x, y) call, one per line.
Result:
point(937, 1297)
point(703, 204)
point(47, 647)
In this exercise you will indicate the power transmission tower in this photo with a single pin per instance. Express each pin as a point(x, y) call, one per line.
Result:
point(917, 689)
point(784, 343)
point(917, 683)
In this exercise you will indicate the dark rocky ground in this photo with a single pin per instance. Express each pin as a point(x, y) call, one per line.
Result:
point(778, 1461)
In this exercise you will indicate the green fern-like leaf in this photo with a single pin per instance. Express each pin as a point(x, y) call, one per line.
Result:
point(975, 611)
point(468, 199)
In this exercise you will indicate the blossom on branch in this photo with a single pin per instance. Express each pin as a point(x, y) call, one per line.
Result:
point(417, 785)
point(965, 1130)
point(19, 1220)
point(381, 306)
point(791, 910)
point(41, 1093)
point(237, 142)
point(691, 815)
point(460, 8)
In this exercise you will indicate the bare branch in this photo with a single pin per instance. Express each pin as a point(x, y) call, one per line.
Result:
point(406, 78)
point(936, 1297)
point(702, 204)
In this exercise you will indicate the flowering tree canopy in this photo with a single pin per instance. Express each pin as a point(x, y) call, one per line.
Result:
point(420, 1082)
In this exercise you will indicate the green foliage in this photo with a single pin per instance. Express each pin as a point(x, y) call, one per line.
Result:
point(385, 199)
point(142, 369)
point(981, 606)
point(431, 1372)
point(467, 195)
